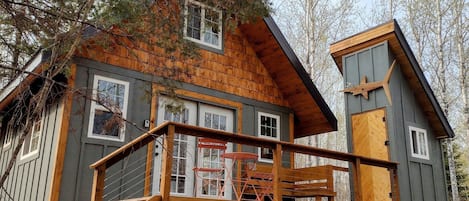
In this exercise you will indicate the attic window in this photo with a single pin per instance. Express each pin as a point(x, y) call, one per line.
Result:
point(419, 143)
point(203, 24)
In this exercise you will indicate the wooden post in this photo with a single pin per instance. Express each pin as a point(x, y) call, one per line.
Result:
point(277, 159)
point(357, 188)
point(97, 192)
point(148, 168)
point(395, 185)
point(167, 156)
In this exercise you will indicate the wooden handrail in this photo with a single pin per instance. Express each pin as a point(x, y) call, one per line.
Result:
point(133, 145)
point(151, 135)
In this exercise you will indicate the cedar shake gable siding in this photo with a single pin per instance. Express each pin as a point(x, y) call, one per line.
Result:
point(256, 63)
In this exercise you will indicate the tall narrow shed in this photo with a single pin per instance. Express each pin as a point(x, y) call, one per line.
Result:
point(396, 119)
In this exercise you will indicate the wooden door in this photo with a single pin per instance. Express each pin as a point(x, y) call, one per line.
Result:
point(369, 139)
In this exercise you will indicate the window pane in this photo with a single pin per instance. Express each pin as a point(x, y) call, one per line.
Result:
point(414, 142)
point(194, 21)
point(105, 124)
point(208, 120)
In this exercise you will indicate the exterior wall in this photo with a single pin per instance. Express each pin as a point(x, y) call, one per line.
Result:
point(236, 71)
point(31, 177)
point(418, 179)
point(83, 151)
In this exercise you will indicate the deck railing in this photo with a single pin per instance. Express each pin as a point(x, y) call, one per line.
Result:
point(145, 144)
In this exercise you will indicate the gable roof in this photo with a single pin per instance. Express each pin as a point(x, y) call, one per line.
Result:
point(312, 114)
point(411, 70)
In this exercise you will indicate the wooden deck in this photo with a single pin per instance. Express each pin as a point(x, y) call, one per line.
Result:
point(167, 131)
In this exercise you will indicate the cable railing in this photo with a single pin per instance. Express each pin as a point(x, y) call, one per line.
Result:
point(131, 171)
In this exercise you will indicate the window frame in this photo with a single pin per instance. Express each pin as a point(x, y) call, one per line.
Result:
point(203, 8)
point(419, 145)
point(8, 137)
point(94, 106)
point(30, 137)
point(259, 117)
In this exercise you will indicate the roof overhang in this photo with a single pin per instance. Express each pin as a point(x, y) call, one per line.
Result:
point(392, 33)
point(14, 87)
point(312, 114)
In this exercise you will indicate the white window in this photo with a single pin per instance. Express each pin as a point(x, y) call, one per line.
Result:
point(203, 24)
point(8, 136)
point(108, 108)
point(419, 143)
point(268, 126)
point(31, 142)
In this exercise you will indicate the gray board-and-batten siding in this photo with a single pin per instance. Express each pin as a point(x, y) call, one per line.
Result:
point(419, 179)
point(31, 177)
point(82, 151)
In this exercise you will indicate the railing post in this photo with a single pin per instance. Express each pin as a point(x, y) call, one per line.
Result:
point(148, 167)
point(277, 159)
point(357, 188)
point(97, 191)
point(395, 185)
point(167, 163)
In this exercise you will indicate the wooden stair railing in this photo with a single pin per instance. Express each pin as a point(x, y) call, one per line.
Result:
point(169, 128)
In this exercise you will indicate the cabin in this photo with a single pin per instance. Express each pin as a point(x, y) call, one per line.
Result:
point(229, 134)
point(392, 114)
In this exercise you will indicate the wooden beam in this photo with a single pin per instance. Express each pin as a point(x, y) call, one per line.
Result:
point(151, 145)
point(291, 122)
point(167, 156)
point(97, 192)
point(62, 138)
point(277, 166)
point(357, 192)
point(395, 185)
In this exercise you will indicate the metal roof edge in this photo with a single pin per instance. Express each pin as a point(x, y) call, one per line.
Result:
point(422, 80)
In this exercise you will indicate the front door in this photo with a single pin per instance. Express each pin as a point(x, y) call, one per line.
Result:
point(211, 183)
point(370, 140)
point(182, 178)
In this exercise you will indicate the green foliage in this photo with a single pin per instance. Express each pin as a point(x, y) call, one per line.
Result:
point(462, 175)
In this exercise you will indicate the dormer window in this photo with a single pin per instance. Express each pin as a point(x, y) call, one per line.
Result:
point(203, 24)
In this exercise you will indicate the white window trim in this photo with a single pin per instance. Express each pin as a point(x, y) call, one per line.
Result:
point(202, 25)
point(259, 114)
point(95, 105)
point(8, 138)
point(419, 130)
point(34, 152)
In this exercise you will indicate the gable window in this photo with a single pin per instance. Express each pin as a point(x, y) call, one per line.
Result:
point(31, 142)
point(203, 24)
point(419, 143)
point(268, 126)
point(108, 108)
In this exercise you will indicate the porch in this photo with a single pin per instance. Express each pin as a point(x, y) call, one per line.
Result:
point(137, 172)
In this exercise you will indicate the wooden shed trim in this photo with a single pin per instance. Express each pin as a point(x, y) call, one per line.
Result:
point(392, 33)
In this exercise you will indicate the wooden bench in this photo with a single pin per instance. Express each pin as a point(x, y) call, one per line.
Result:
point(314, 182)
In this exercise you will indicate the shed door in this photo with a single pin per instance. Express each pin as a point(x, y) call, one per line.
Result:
point(369, 137)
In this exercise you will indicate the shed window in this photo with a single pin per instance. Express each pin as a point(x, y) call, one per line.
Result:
point(269, 128)
point(419, 143)
point(31, 142)
point(203, 24)
point(8, 133)
point(108, 108)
